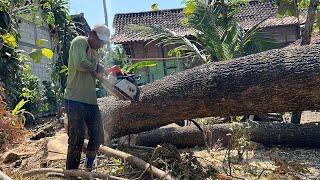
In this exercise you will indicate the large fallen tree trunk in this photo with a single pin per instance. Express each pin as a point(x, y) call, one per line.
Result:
point(274, 81)
point(290, 135)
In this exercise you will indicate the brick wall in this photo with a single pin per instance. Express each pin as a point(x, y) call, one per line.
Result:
point(29, 34)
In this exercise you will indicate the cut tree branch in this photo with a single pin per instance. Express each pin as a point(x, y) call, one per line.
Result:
point(266, 133)
point(135, 161)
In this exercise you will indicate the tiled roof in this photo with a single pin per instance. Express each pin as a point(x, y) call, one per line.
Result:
point(170, 19)
point(249, 15)
point(82, 26)
point(255, 11)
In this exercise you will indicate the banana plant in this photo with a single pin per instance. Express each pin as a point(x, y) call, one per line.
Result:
point(19, 113)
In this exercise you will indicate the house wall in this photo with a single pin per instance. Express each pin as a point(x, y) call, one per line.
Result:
point(141, 51)
point(29, 33)
point(284, 34)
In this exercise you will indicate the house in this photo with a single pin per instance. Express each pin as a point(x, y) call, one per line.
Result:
point(82, 26)
point(285, 30)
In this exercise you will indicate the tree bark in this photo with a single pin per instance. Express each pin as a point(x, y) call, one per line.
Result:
point(306, 33)
point(290, 135)
point(281, 80)
point(305, 40)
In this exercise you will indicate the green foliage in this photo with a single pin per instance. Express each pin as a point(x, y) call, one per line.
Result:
point(119, 169)
point(47, 53)
point(38, 53)
point(288, 7)
point(10, 40)
point(10, 57)
point(137, 66)
point(118, 57)
point(155, 7)
point(22, 87)
point(56, 14)
point(64, 69)
point(190, 7)
point(220, 35)
point(295, 7)
point(50, 96)
point(32, 92)
point(20, 113)
point(18, 107)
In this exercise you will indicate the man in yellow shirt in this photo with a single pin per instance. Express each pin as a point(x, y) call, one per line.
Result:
point(80, 96)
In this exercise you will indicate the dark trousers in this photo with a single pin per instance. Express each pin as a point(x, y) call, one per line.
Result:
point(81, 115)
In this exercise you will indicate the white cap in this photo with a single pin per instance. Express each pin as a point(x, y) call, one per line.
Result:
point(102, 32)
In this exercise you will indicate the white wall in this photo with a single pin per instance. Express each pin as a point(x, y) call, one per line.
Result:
point(29, 33)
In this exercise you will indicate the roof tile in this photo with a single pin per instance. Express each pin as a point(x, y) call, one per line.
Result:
point(249, 15)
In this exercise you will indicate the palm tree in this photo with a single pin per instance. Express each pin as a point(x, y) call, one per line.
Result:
point(218, 36)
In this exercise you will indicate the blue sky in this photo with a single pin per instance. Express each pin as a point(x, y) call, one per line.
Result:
point(93, 9)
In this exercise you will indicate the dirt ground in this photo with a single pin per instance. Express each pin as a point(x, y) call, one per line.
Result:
point(258, 163)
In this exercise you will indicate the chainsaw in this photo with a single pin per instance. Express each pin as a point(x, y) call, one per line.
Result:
point(120, 84)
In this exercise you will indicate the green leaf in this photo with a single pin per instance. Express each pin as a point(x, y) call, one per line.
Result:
point(17, 108)
point(287, 7)
point(155, 7)
point(47, 53)
point(27, 69)
point(64, 69)
point(10, 40)
point(26, 93)
point(139, 65)
point(41, 42)
point(50, 19)
point(36, 55)
point(190, 8)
